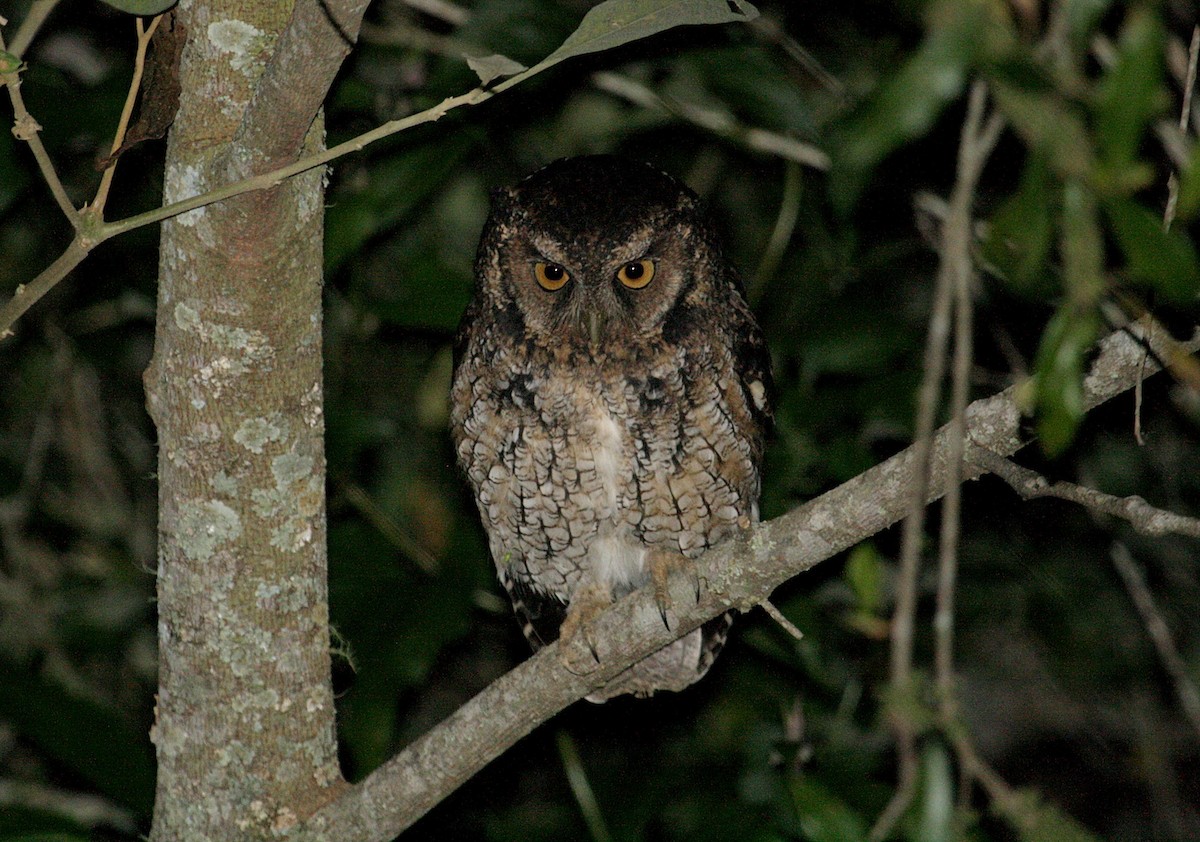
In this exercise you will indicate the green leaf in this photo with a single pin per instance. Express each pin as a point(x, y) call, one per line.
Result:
point(1166, 260)
point(1035, 820)
point(9, 63)
point(822, 815)
point(141, 7)
point(95, 741)
point(864, 573)
point(1082, 245)
point(1059, 364)
point(1131, 94)
point(1050, 126)
point(1059, 367)
point(1082, 17)
point(1188, 203)
point(617, 22)
point(1021, 231)
point(908, 103)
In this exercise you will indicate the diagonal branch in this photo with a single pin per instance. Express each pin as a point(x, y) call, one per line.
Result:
point(1160, 634)
point(316, 41)
point(739, 575)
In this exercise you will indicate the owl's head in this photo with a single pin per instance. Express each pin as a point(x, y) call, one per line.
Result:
point(598, 250)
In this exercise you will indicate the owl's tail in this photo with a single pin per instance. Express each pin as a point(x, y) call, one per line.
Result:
point(674, 667)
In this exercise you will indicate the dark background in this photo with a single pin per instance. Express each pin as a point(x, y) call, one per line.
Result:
point(1061, 687)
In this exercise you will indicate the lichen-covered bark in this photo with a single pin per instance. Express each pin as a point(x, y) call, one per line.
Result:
point(244, 730)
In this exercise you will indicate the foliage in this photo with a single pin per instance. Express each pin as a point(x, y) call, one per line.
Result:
point(785, 739)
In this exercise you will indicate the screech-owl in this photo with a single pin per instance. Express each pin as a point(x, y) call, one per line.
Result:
point(610, 399)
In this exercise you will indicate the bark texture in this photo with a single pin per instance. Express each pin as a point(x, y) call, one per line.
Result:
point(245, 719)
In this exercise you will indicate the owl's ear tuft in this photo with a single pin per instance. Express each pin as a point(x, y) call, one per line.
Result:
point(501, 198)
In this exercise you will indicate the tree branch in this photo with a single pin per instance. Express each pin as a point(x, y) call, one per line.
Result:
point(740, 574)
point(719, 123)
point(316, 41)
point(1160, 634)
point(144, 34)
point(26, 128)
point(1030, 485)
point(954, 273)
point(39, 10)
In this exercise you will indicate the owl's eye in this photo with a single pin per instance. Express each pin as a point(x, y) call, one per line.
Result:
point(636, 274)
point(550, 276)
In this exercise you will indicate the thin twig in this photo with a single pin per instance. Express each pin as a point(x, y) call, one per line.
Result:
point(781, 232)
point(581, 788)
point(12, 309)
point(277, 176)
point(1185, 111)
point(770, 29)
point(975, 145)
point(755, 138)
point(39, 10)
point(408, 544)
point(144, 34)
point(441, 9)
point(26, 128)
point(717, 122)
point(1145, 518)
point(405, 34)
point(1137, 394)
point(778, 616)
point(1160, 634)
point(28, 294)
point(943, 618)
point(1189, 86)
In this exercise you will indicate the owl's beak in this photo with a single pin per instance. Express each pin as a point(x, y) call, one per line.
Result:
point(595, 323)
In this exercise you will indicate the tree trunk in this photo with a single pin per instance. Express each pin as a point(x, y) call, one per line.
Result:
point(245, 725)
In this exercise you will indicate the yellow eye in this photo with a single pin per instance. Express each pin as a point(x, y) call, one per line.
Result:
point(550, 276)
point(636, 274)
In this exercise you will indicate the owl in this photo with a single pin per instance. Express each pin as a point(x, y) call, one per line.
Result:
point(610, 400)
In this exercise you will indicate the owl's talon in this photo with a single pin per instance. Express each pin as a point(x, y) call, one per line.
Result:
point(586, 604)
point(662, 612)
point(662, 564)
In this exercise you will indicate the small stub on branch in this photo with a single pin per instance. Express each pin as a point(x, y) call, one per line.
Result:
point(783, 621)
point(26, 128)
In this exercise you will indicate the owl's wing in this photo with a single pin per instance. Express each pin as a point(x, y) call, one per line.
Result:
point(752, 362)
point(540, 613)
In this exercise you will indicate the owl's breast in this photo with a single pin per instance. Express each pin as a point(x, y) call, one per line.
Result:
point(580, 470)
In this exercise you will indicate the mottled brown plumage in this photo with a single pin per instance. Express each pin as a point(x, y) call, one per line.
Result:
point(610, 398)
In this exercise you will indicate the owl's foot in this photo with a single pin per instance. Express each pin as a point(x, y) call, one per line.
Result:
point(586, 604)
point(662, 563)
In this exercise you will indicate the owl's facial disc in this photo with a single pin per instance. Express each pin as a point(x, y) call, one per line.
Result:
point(608, 289)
